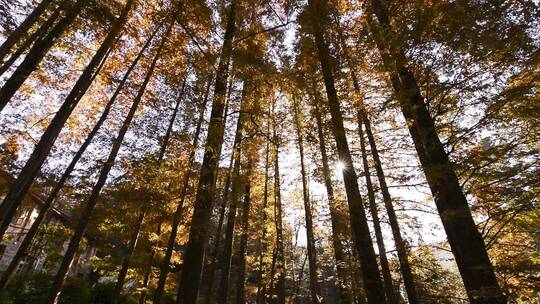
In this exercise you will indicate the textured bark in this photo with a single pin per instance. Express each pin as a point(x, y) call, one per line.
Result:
point(362, 239)
point(37, 53)
point(177, 215)
point(18, 34)
point(203, 205)
point(35, 36)
point(96, 190)
point(314, 288)
point(465, 241)
point(19, 188)
point(138, 224)
point(387, 276)
point(338, 226)
point(236, 192)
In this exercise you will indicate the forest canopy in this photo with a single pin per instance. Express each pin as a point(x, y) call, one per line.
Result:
point(254, 151)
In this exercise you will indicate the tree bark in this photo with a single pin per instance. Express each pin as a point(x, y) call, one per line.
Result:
point(338, 231)
point(362, 238)
point(177, 215)
point(96, 191)
point(314, 289)
point(387, 276)
point(203, 205)
point(148, 273)
point(226, 256)
point(465, 241)
point(23, 29)
point(20, 187)
point(25, 244)
point(37, 53)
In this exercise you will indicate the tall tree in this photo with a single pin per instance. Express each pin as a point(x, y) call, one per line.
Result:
point(236, 193)
point(385, 268)
point(278, 262)
point(177, 215)
point(49, 202)
point(463, 236)
point(19, 188)
point(90, 204)
point(338, 231)
point(134, 238)
point(311, 250)
point(18, 34)
point(41, 47)
point(375, 293)
point(203, 205)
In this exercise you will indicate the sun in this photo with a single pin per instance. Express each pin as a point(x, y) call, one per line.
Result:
point(340, 167)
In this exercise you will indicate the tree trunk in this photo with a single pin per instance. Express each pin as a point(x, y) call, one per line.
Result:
point(37, 53)
point(401, 248)
point(36, 36)
point(136, 232)
point(311, 250)
point(226, 256)
point(203, 205)
point(338, 228)
point(19, 188)
point(224, 203)
point(263, 245)
point(21, 251)
point(362, 238)
point(177, 215)
point(246, 206)
point(278, 218)
point(23, 29)
point(387, 276)
point(465, 241)
point(96, 191)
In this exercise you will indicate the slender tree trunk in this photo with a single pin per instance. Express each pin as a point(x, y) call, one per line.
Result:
point(401, 248)
point(263, 245)
point(387, 276)
point(246, 206)
point(136, 232)
point(96, 191)
point(36, 36)
point(23, 29)
point(311, 250)
point(25, 244)
point(338, 231)
point(278, 214)
point(224, 203)
point(177, 215)
point(226, 256)
point(37, 53)
point(19, 188)
point(465, 241)
point(362, 238)
point(203, 205)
